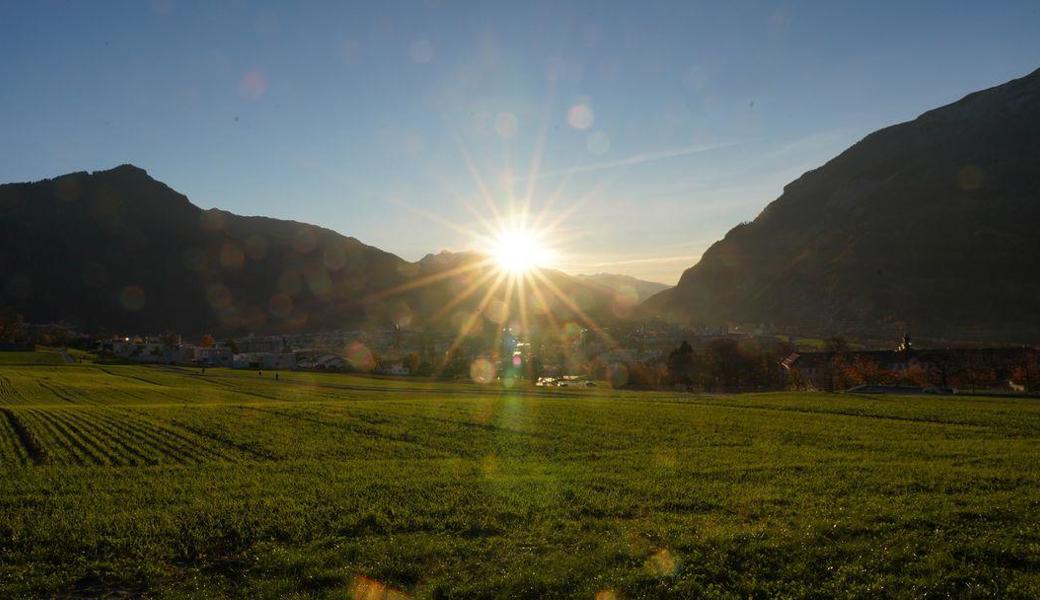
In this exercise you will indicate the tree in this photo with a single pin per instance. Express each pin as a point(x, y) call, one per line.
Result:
point(763, 359)
point(725, 363)
point(975, 376)
point(535, 368)
point(914, 375)
point(866, 371)
point(681, 364)
point(941, 369)
point(425, 369)
point(837, 369)
point(639, 375)
point(207, 341)
point(455, 365)
point(53, 335)
point(12, 329)
point(1027, 372)
point(412, 362)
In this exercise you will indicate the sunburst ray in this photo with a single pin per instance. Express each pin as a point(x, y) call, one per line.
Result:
point(463, 330)
point(462, 296)
point(552, 287)
point(428, 280)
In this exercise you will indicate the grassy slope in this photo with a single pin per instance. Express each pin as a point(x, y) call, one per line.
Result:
point(43, 356)
point(147, 479)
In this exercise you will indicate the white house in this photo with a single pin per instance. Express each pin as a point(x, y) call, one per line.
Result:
point(265, 360)
point(215, 356)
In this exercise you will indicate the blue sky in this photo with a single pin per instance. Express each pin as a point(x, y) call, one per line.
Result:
point(656, 126)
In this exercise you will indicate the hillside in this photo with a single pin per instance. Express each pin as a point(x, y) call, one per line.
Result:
point(928, 225)
point(119, 251)
point(638, 289)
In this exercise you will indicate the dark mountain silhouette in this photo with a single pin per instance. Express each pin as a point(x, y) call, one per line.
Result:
point(119, 251)
point(929, 224)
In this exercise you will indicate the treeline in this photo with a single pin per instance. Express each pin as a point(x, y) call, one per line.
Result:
point(719, 365)
point(14, 331)
point(970, 372)
point(726, 365)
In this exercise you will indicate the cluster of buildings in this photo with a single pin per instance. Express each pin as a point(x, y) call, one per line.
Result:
point(573, 355)
point(384, 351)
point(325, 351)
point(390, 351)
point(147, 350)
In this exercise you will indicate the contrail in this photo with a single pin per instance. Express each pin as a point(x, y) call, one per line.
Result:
point(656, 259)
point(639, 261)
point(640, 159)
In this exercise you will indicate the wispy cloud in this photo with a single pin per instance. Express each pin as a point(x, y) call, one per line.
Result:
point(640, 159)
point(686, 258)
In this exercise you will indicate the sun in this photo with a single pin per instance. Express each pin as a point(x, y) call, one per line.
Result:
point(517, 251)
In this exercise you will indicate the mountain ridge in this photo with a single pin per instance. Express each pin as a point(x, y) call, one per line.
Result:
point(117, 250)
point(919, 225)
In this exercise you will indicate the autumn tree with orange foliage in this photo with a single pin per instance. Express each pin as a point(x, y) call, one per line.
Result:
point(864, 371)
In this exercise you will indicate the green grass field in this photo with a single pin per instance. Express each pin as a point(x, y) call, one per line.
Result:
point(132, 481)
point(44, 356)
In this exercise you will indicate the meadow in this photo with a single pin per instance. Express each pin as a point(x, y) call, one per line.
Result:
point(128, 481)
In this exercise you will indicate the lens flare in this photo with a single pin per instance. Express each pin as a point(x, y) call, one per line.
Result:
point(482, 371)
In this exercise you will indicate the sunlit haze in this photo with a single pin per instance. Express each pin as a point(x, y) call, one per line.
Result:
point(646, 130)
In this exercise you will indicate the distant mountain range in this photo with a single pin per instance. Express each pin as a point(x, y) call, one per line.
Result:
point(625, 284)
point(119, 251)
point(929, 225)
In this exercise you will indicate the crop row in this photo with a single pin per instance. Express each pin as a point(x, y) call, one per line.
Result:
point(96, 436)
point(15, 448)
point(9, 393)
point(42, 387)
point(20, 388)
point(66, 393)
